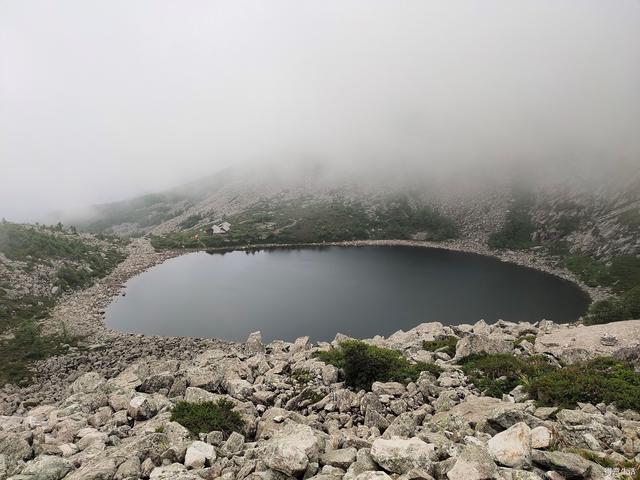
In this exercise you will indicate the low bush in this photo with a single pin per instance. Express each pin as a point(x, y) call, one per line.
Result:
point(605, 311)
point(603, 379)
point(445, 344)
point(499, 373)
point(206, 417)
point(364, 364)
point(27, 345)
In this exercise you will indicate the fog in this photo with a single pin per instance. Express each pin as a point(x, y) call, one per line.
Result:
point(104, 100)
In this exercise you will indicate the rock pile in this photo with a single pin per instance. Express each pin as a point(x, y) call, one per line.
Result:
point(300, 421)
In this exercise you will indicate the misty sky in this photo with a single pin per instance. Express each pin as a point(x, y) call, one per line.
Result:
point(103, 100)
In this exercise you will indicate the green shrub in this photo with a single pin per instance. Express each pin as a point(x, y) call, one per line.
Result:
point(499, 373)
point(445, 344)
point(631, 302)
point(625, 271)
point(364, 364)
point(206, 417)
point(603, 379)
point(605, 311)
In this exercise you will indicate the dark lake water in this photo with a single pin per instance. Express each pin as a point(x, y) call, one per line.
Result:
point(319, 292)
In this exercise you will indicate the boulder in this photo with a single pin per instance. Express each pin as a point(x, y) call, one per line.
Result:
point(541, 437)
point(198, 454)
point(47, 467)
point(142, 407)
point(373, 476)
point(388, 388)
point(398, 455)
point(291, 449)
point(254, 343)
point(88, 383)
point(569, 465)
point(175, 471)
point(512, 448)
point(480, 343)
point(571, 344)
point(128, 469)
point(473, 463)
point(341, 458)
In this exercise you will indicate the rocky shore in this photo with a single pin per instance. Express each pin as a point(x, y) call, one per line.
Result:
point(301, 421)
point(102, 411)
point(103, 349)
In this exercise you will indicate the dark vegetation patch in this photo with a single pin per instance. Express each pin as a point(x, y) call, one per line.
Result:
point(600, 380)
point(207, 417)
point(517, 231)
point(27, 346)
point(309, 221)
point(362, 364)
point(589, 270)
point(603, 379)
point(499, 373)
point(445, 344)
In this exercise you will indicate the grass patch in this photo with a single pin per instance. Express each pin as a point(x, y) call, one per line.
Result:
point(498, 374)
point(445, 344)
point(603, 379)
point(363, 364)
point(207, 417)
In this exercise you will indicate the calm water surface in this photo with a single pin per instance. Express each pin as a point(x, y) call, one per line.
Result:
point(318, 292)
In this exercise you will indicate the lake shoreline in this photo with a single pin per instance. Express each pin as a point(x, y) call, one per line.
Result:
point(82, 312)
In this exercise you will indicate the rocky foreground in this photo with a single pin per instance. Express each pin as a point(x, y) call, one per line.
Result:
point(113, 421)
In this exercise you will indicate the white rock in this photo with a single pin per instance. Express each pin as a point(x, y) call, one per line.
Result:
point(291, 448)
point(473, 463)
point(400, 455)
point(541, 437)
point(198, 454)
point(512, 448)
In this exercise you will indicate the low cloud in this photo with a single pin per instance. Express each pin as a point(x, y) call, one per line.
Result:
point(101, 101)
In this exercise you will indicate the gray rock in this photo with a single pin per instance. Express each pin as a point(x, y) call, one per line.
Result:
point(46, 467)
point(233, 445)
point(569, 465)
point(291, 448)
point(198, 454)
point(512, 448)
point(541, 437)
point(130, 468)
point(473, 463)
point(341, 458)
point(142, 407)
point(481, 343)
point(400, 455)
